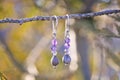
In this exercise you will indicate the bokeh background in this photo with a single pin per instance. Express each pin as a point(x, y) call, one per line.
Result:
point(25, 49)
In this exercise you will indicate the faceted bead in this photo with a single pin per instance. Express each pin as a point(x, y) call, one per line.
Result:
point(66, 59)
point(66, 45)
point(54, 42)
point(54, 61)
point(53, 48)
point(67, 40)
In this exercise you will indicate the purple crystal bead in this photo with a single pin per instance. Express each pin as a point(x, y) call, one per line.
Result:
point(54, 42)
point(67, 40)
point(66, 45)
point(54, 61)
point(53, 48)
point(66, 59)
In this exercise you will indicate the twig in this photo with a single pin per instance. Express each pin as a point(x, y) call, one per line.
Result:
point(76, 16)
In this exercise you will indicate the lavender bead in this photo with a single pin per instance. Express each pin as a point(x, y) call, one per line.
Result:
point(53, 48)
point(54, 42)
point(66, 45)
point(67, 40)
point(66, 59)
point(54, 61)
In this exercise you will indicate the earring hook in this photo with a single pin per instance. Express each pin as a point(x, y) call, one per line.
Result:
point(54, 25)
point(67, 25)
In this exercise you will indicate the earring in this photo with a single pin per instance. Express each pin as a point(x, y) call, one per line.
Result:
point(66, 58)
point(54, 59)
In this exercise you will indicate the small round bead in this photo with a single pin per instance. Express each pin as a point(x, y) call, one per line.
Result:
point(53, 48)
point(54, 61)
point(66, 59)
point(54, 42)
point(67, 40)
point(66, 45)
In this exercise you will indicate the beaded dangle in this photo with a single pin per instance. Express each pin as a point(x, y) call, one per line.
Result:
point(66, 58)
point(54, 59)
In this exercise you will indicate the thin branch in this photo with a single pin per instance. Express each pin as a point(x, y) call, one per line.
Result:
point(76, 16)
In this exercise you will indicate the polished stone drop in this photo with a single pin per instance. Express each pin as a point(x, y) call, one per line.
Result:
point(54, 61)
point(66, 59)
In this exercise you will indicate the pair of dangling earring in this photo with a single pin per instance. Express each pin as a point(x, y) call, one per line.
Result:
point(66, 58)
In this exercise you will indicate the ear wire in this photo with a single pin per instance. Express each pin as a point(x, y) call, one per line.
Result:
point(54, 25)
point(67, 26)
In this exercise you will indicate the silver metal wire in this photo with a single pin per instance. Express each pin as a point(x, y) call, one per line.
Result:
point(54, 25)
point(67, 26)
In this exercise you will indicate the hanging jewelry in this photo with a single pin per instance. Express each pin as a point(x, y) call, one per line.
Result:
point(54, 59)
point(66, 58)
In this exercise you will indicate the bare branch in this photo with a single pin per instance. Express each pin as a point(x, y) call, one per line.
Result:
point(76, 16)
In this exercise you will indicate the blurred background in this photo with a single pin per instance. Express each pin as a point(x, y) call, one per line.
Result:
point(25, 49)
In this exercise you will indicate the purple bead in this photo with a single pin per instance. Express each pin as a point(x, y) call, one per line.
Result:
point(54, 61)
point(66, 45)
point(66, 59)
point(53, 48)
point(67, 40)
point(54, 42)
